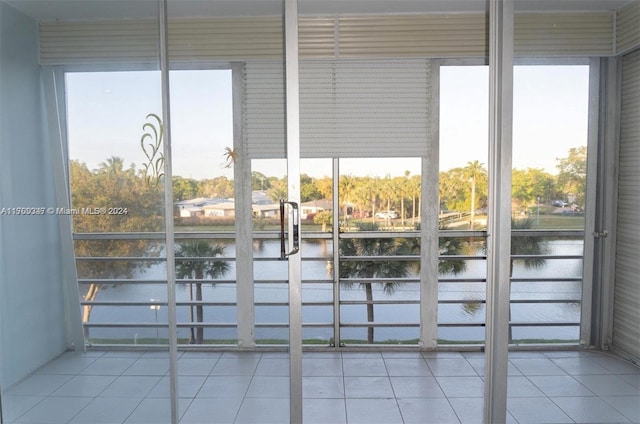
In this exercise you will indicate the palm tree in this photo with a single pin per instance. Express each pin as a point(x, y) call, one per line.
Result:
point(450, 246)
point(414, 192)
point(388, 247)
point(346, 187)
point(372, 187)
point(447, 246)
point(531, 247)
point(113, 165)
point(475, 173)
point(363, 194)
point(389, 190)
point(388, 269)
point(402, 188)
point(206, 262)
point(527, 245)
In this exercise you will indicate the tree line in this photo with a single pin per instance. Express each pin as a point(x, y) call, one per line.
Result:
point(459, 188)
point(113, 184)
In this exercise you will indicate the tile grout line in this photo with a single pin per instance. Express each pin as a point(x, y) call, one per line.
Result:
point(573, 375)
point(244, 396)
point(78, 373)
point(146, 396)
point(442, 390)
point(612, 371)
point(344, 389)
point(395, 398)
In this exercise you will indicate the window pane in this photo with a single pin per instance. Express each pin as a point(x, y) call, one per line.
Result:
point(550, 122)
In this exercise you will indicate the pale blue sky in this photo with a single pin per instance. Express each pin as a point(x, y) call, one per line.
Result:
point(550, 114)
point(107, 110)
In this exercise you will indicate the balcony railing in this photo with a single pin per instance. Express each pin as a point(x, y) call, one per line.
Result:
point(128, 303)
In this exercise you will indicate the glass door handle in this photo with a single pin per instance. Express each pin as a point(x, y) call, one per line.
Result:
point(296, 229)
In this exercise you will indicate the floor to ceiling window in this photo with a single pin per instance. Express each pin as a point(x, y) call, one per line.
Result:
point(115, 165)
point(550, 137)
point(463, 189)
point(548, 209)
point(121, 166)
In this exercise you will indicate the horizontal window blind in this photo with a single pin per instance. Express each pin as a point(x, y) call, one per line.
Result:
point(626, 308)
point(563, 34)
point(628, 27)
point(372, 36)
point(444, 36)
point(263, 109)
point(104, 42)
point(348, 108)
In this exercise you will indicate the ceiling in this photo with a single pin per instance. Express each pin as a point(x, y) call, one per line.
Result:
point(49, 10)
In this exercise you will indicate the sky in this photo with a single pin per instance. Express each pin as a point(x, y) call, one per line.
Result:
point(550, 114)
point(107, 111)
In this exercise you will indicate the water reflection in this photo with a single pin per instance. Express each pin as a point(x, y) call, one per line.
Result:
point(464, 292)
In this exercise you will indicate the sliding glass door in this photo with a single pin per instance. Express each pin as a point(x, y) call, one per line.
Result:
point(230, 146)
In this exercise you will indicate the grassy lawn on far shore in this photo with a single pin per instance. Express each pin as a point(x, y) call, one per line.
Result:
point(542, 222)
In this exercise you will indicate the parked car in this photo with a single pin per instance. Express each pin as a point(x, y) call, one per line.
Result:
point(387, 215)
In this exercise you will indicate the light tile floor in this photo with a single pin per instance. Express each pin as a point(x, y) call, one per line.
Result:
point(348, 387)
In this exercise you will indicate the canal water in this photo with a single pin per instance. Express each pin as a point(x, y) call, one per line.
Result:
point(268, 294)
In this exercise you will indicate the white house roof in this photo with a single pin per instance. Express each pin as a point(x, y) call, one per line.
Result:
point(196, 201)
point(269, 207)
point(260, 198)
point(220, 206)
point(325, 204)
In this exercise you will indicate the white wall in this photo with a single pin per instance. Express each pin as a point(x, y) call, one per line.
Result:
point(32, 320)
